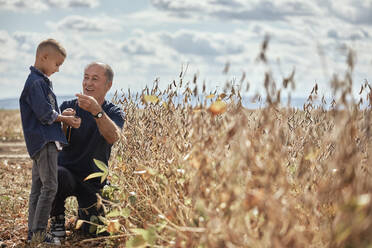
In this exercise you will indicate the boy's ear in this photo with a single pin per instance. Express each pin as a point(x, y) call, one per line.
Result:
point(44, 57)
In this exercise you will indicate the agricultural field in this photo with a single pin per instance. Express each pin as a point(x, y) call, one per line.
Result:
point(215, 174)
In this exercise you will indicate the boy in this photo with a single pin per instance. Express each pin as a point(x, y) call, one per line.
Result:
point(41, 123)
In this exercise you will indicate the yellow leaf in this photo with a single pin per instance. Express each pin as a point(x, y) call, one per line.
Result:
point(149, 235)
point(101, 165)
point(218, 107)
point(150, 98)
point(210, 96)
point(104, 176)
point(136, 242)
point(94, 175)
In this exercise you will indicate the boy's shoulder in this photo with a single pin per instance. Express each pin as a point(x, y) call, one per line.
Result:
point(36, 76)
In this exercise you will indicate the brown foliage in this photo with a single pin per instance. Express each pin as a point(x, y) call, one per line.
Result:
point(184, 175)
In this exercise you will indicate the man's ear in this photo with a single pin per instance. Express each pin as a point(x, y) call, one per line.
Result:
point(108, 86)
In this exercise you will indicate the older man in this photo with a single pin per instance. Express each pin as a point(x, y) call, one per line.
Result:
point(101, 123)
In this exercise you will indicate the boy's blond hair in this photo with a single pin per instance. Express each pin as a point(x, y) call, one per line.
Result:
point(51, 43)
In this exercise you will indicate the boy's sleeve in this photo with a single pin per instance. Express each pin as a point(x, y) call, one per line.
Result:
point(54, 117)
point(37, 99)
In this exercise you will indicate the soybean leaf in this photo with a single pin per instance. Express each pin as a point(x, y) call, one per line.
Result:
point(94, 175)
point(101, 165)
point(136, 242)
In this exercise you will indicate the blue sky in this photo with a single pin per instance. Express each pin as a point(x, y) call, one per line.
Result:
point(147, 39)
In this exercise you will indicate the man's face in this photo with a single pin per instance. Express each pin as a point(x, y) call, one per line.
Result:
point(94, 83)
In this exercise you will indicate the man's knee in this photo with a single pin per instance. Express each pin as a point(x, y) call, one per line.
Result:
point(64, 173)
point(66, 180)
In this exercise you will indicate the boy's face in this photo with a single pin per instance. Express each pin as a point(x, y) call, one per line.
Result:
point(51, 62)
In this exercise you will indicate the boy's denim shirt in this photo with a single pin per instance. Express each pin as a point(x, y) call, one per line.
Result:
point(39, 109)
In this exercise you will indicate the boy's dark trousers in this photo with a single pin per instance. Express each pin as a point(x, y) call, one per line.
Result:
point(84, 191)
point(43, 188)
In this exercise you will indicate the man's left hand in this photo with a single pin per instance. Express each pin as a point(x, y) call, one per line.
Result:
point(88, 103)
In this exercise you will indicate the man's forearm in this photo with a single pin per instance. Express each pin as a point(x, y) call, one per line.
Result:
point(108, 129)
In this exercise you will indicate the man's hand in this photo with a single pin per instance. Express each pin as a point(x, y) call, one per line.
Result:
point(108, 129)
point(88, 103)
point(72, 121)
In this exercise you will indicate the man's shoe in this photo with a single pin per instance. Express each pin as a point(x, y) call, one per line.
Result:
point(51, 240)
point(57, 226)
point(45, 238)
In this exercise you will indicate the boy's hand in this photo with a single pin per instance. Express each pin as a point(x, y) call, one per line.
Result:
point(69, 112)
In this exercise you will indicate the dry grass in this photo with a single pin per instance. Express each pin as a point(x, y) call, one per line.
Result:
point(267, 178)
point(10, 125)
point(274, 177)
point(195, 176)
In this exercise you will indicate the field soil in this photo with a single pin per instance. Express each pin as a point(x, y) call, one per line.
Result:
point(15, 184)
point(15, 178)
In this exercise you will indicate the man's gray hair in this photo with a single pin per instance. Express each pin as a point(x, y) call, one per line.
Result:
point(109, 73)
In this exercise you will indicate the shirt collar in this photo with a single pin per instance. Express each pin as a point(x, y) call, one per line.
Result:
point(37, 71)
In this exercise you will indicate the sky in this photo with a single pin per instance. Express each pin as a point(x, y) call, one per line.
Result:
point(148, 40)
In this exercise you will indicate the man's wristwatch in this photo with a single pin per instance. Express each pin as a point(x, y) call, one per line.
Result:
point(98, 115)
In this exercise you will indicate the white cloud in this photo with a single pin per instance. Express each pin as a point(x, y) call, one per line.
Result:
point(238, 9)
point(181, 8)
point(352, 11)
point(156, 40)
point(72, 3)
point(43, 5)
point(189, 43)
point(81, 24)
point(202, 44)
point(135, 46)
point(23, 5)
point(8, 46)
point(353, 34)
point(144, 55)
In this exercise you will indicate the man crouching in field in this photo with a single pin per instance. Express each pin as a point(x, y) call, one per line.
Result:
point(101, 123)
